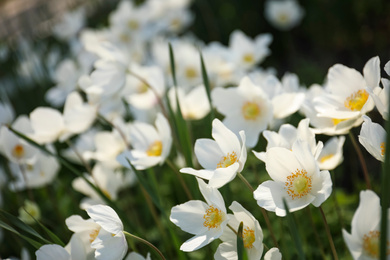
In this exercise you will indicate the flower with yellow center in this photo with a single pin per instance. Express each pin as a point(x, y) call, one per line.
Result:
point(296, 177)
point(249, 109)
point(150, 145)
point(207, 221)
point(332, 153)
point(364, 240)
point(221, 158)
point(373, 138)
point(284, 14)
point(252, 235)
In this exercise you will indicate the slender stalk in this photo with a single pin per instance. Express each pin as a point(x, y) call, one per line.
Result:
point(145, 242)
point(361, 159)
point(265, 215)
point(232, 229)
point(329, 235)
point(317, 237)
point(182, 182)
point(86, 165)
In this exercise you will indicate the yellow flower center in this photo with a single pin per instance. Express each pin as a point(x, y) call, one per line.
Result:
point(282, 18)
point(326, 157)
point(336, 121)
point(134, 25)
point(248, 237)
point(248, 58)
point(124, 38)
point(250, 110)
point(356, 101)
point(94, 234)
point(227, 160)
point(298, 184)
point(191, 73)
point(213, 217)
point(383, 148)
point(142, 88)
point(155, 149)
point(175, 23)
point(18, 151)
point(371, 243)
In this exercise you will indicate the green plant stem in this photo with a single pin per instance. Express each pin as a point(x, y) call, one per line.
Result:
point(317, 237)
point(361, 159)
point(265, 215)
point(329, 235)
point(182, 182)
point(145, 242)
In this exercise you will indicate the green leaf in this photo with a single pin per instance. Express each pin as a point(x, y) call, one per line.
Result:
point(34, 243)
point(240, 242)
point(206, 83)
point(294, 231)
point(53, 236)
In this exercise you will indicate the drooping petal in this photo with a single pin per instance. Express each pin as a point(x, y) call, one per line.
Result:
point(372, 72)
point(106, 217)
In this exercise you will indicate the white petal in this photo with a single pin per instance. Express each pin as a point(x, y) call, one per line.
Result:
point(226, 139)
point(106, 217)
point(273, 254)
point(372, 72)
point(280, 163)
point(189, 216)
point(208, 153)
point(50, 252)
point(223, 175)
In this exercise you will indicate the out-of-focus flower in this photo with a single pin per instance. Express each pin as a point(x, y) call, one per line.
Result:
point(49, 252)
point(110, 243)
point(283, 14)
point(222, 158)
point(194, 105)
point(7, 113)
point(364, 240)
point(70, 24)
point(245, 107)
point(273, 254)
point(373, 138)
point(252, 235)
point(246, 53)
point(29, 211)
point(49, 125)
point(332, 153)
point(207, 221)
point(136, 256)
point(296, 177)
point(151, 145)
point(347, 97)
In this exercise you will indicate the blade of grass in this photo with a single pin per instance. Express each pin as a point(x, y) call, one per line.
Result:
point(240, 242)
point(34, 243)
point(206, 83)
point(294, 231)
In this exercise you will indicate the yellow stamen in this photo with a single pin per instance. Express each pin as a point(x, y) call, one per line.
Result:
point(227, 160)
point(213, 217)
point(356, 101)
point(326, 157)
point(250, 110)
point(191, 73)
point(383, 148)
point(176, 23)
point(134, 25)
point(18, 151)
point(94, 234)
point(336, 121)
point(155, 149)
point(371, 243)
point(248, 237)
point(298, 184)
point(283, 18)
point(248, 58)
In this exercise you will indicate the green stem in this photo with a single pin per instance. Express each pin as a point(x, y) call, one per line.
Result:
point(145, 242)
point(329, 235)
point(265, 215)
point(318, 240)
point(361, 159)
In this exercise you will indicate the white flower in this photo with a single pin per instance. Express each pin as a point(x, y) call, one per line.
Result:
point(295, 177)
point(49, 124)
point(347, 97)
point(284, 14)
point(7, 113)
point(245, 52)
point(50, 252)
point(110, 243)
point(245, 107)
point(222, 158)
point(136, 256)
point(381, 96)
point(373, 138)
point(206, 221)
point(273, 254)
point(252, 235)
point(151, 145)
point(332, 154)
point(364, 239)
point(194, 105)
point(70, 24)
point(29, 212)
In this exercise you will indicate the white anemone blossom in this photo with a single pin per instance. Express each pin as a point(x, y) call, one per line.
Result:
point(373, 138)
point(284, 14)
point(151, 145)
point(246, 107)
point(221, 158)
point(207, 221)
point(296, 178)
point(364, 239)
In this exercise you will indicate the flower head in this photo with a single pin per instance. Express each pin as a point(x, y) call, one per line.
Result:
point(373, 138)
